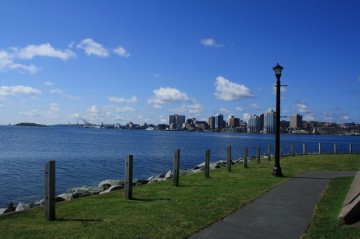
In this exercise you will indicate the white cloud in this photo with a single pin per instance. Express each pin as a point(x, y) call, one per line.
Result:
point(122, 100)
point(52, 112)
point(210, 42)
point(246, 117)
point(191, 110)
point(7, 63)
point(18, 90)
point(75, 116)
point(48, 83)
point(93, 48)
point(56, 91)
point(121, 52)
point(255, 106)
point(166, 95)
point(224, 110)
point(46, 49)
point(125, 109)
point(93, 109)
point(239, 109)
point(302, 108)
point(227, 90)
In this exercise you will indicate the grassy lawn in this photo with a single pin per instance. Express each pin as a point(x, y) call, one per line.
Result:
point(325, 223)
point(163, 211)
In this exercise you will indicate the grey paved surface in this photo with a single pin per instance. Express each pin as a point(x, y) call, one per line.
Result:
point(283, 212)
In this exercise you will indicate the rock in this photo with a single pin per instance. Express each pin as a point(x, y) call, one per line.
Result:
point(10, 208)
point(186, 172)
point(113, 188)
point(140, 181)
point(106, 184)
point(169, 174)
point(84, 191)
point(64, 197)
point(2, 210)
point(21, 207)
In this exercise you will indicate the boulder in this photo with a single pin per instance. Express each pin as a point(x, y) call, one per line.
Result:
point(21, 207)
point(84, 191)
point(169, 174)
point(64, 197)
point(137, 182)
point(2, 210)
point(106, 184)
point(113, 188)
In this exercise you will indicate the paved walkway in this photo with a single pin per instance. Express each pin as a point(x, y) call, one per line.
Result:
point(283, 212)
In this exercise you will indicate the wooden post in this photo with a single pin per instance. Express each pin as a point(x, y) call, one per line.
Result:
point(207, 163)
point(176, 169)
point(319, 148)
point(281, 150)
point(335, 150)
point(129, 162)
point(350, 148)
point(258, 154)
point(245, 157)
point(228, 158)
point(304, 149)
point(50, 191)
point(292, 150)
point(269, 152)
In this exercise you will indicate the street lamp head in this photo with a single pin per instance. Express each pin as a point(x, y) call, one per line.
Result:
point(278, 69)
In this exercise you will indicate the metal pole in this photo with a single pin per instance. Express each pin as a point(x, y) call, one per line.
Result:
point(277, 169)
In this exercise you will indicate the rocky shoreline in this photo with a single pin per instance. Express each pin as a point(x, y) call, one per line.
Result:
point(109, 185)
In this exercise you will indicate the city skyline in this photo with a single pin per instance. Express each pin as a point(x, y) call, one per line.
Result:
point(122, 61)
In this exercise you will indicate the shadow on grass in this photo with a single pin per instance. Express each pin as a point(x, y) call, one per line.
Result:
point(78, 220)
point(149, 199)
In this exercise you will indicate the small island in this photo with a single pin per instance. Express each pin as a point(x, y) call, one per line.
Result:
point(30, 124)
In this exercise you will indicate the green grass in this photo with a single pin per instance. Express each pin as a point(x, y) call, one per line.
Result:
point(163, 211)
point(325, 223)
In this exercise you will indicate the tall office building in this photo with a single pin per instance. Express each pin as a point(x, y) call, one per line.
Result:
point(176, 121)
point(254, 124)
point(233, 122)
point(296, 122)
point(212, 123)
point(219, 121)
point(269, 122)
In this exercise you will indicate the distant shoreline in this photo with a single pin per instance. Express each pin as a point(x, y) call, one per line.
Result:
point(30, 124)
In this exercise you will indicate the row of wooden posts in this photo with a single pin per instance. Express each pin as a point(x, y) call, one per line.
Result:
point(129, 163)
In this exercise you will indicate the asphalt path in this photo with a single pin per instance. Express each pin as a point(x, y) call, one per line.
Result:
point(283, 212)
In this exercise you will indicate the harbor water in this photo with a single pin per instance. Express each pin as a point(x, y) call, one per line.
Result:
point(88, 156)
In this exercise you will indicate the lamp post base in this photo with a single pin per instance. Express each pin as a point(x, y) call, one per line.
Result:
point(277, 172)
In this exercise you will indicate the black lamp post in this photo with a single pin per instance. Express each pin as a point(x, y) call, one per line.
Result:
point(277, 170)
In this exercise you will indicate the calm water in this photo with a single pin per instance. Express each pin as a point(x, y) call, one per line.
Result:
point(88, 156)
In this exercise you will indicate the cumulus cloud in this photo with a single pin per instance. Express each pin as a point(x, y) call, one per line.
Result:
point(18, 90)
point(210, 42)
point(93, 48)
point(122, 100)
point(166, 95)
point(61, 92)
point(302, 108)
point(227, 90)
point(93, 109)
point(7, 63)
point(46, 50)
point(125, 109)
point(48, 83)
point(191, 109)
point(52, 112)
point(256, 106)
point(121, 52)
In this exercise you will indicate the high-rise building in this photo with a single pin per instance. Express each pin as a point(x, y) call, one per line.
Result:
point(296, 122)
point(211, 123)
point(233, 122)
point(219, 121)
point(254, 124)
point(269, 122)
point(176, 121)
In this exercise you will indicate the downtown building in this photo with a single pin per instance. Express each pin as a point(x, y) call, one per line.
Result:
point(296, 122)
point(269, 122)
point(176, 122)
point(254, 124)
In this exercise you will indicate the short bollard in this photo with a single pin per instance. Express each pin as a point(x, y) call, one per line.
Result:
point(269, 152)
point(319, 148)
point(207, 163)
point(292, 150)
point(176, 169)
point(245, 157)
point(335, 149)
point(129, 162)
point(304, 149)
point(258, 154)
point(350, 148)
point(50, 191)
point(228, 158)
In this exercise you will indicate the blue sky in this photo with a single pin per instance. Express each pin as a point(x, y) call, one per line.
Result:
point(120, 61)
